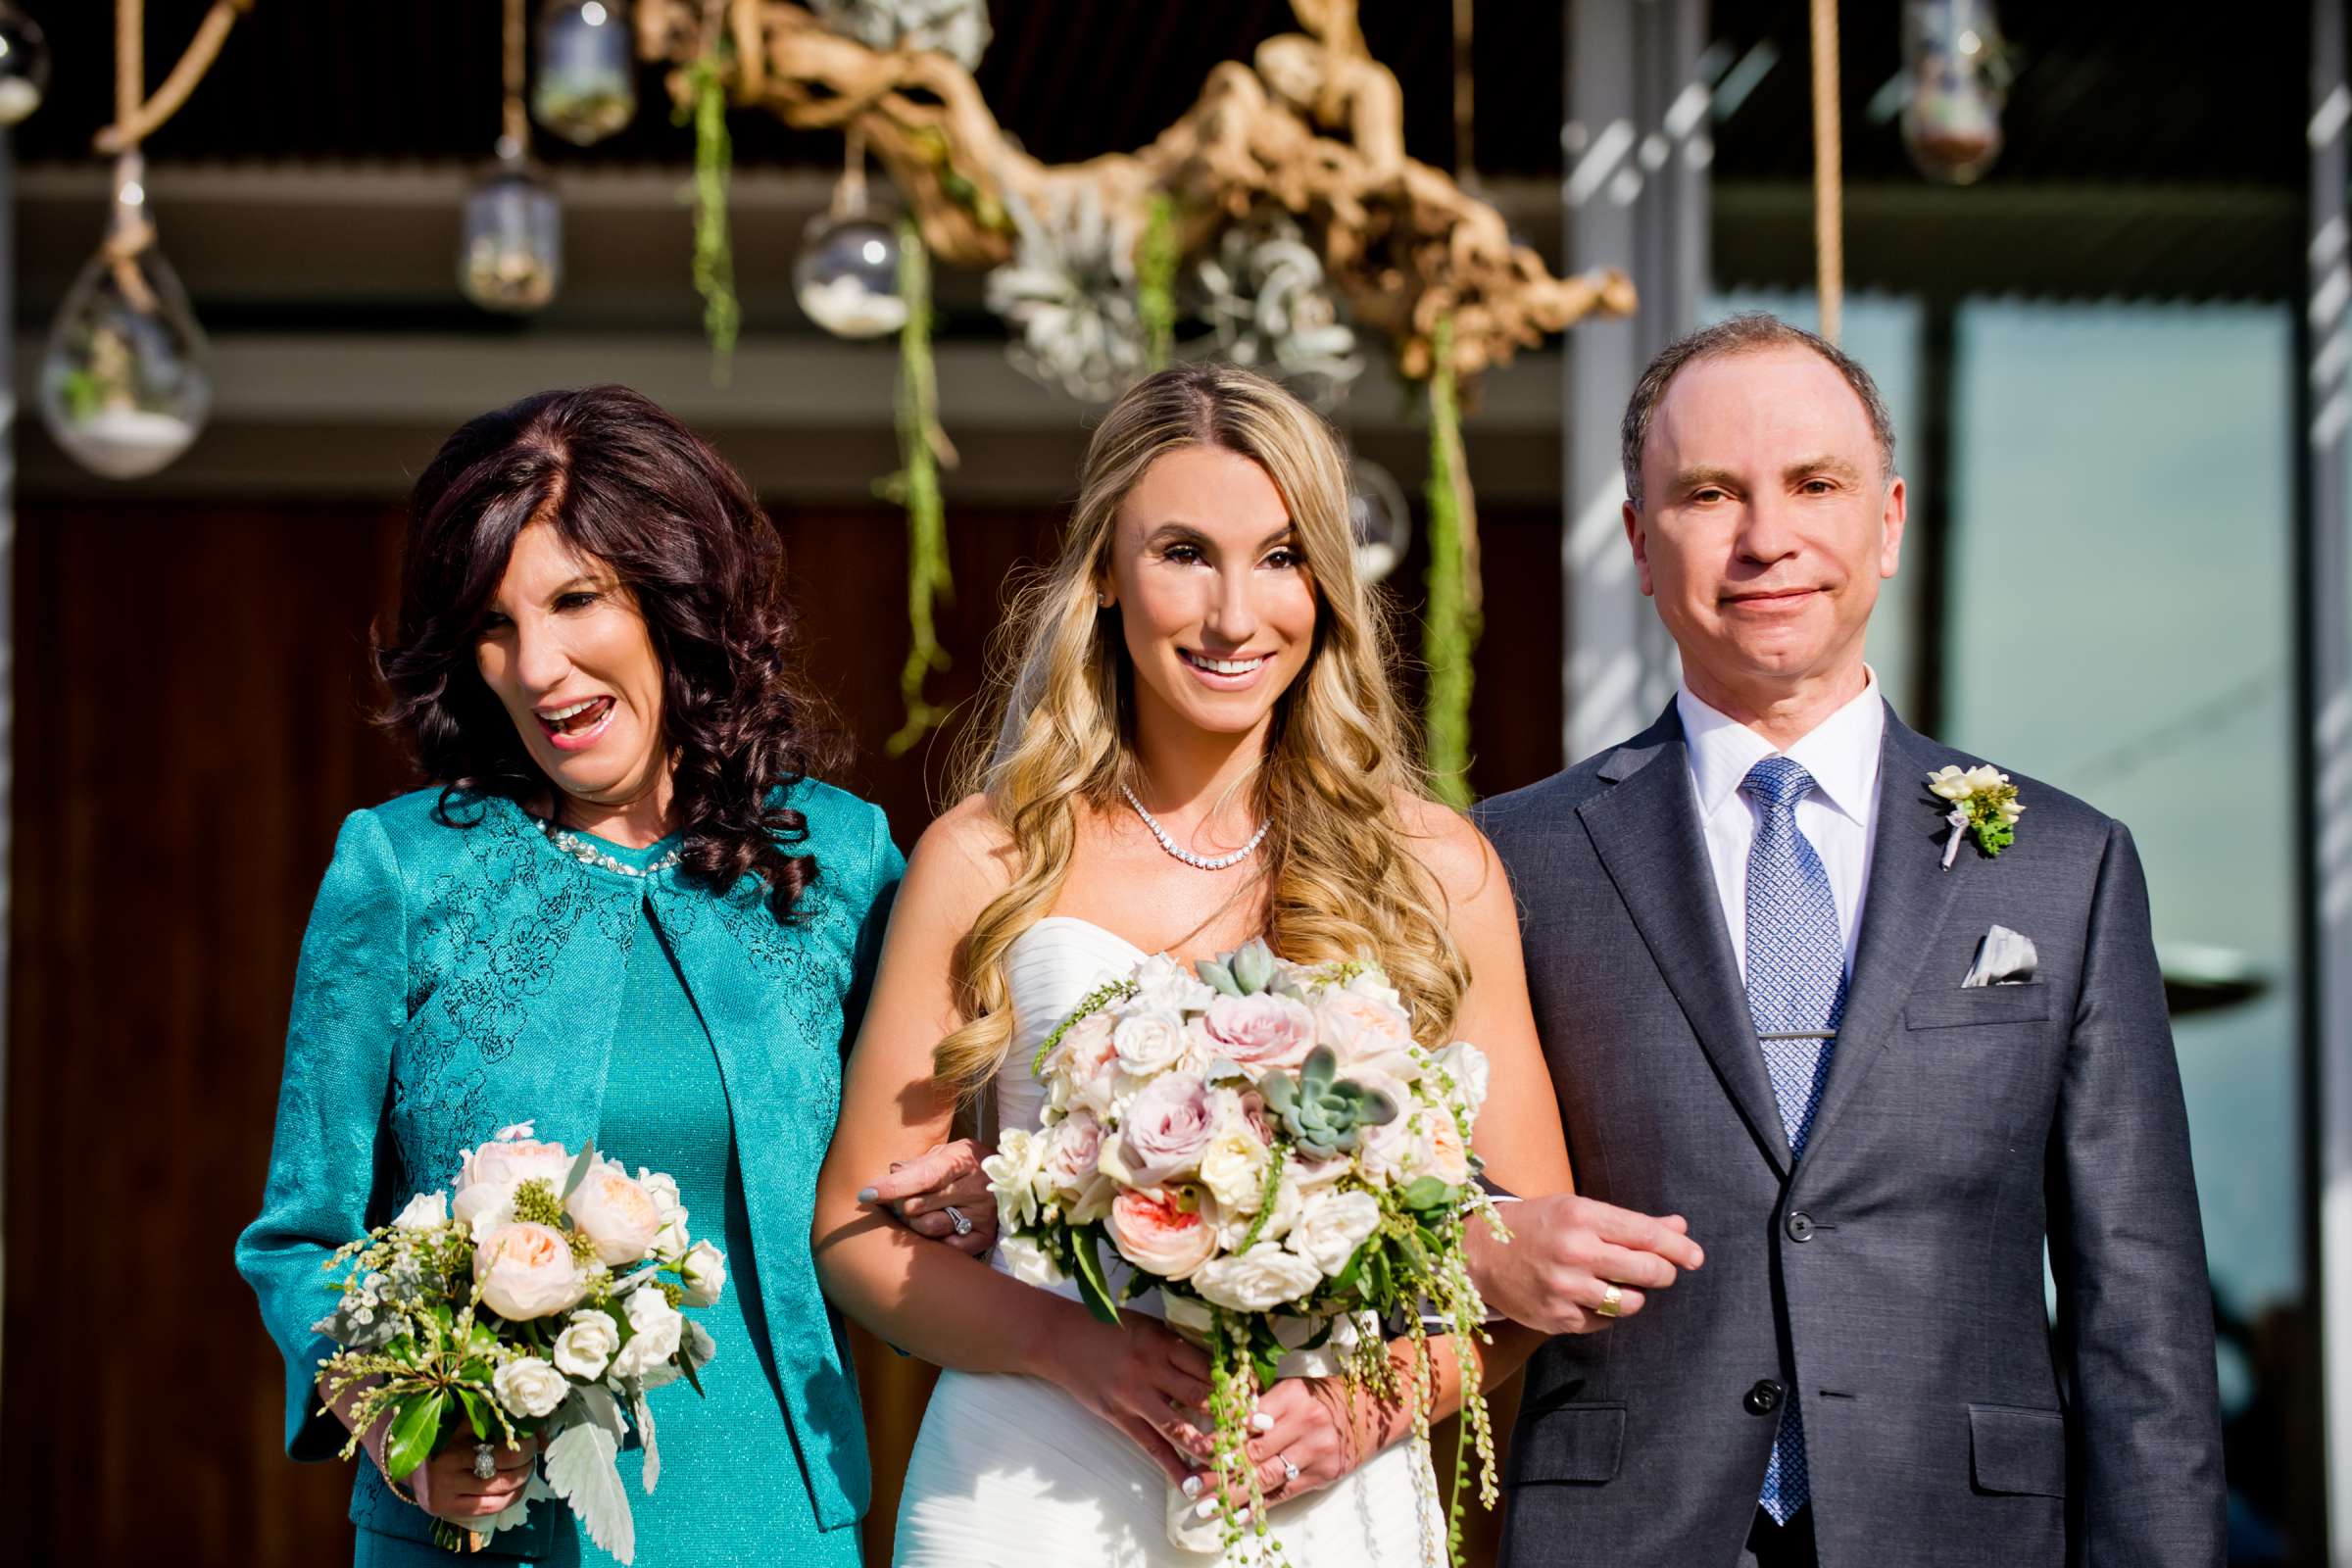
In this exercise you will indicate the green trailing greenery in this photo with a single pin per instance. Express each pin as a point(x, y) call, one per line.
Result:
point(1096, 1001)
point(915, 486)
point(1450, 625)
point(1155, 263)
point(714, 251)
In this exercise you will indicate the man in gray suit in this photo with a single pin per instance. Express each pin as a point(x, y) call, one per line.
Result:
point(1875, 1043)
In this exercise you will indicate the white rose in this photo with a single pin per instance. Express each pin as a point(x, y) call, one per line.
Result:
point(706, 1269)
point(1234, 1164)
point(1466, 1065)
point(426, 1211)
point(671, 1240)
point(1164, 985)
point(655, 1325)
point(1332, 1227)
point(1012, 1172)
point(585, 1347)
point(1371, 982)
point(529, 1387)
point(1289, 1198)
point(1149, 1042)
point(1028, 1262)
point(1260, 1280)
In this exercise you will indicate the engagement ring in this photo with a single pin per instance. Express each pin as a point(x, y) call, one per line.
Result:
point(963, 1227)
point(1612, 1299)
point(1289, 1471)
point(485, 1462)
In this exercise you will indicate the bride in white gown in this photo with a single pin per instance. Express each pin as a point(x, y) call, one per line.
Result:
point(1197, 745)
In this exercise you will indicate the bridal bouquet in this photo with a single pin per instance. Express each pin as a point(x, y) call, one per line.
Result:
point(1267, 1144)
point(541, 1302)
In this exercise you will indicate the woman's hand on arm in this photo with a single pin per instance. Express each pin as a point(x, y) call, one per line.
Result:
point(1566, 1251)
point(920, 1193)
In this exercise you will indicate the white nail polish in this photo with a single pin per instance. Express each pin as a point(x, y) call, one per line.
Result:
point(1261, 1422)
point(1191, 1485)
point(1205, 1508)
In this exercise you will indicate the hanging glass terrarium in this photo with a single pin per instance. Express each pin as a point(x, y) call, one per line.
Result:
point(1380, 518)
point(511, 258)
point(586, 85)
point(123, 385)
point(1959, 79)
point(23, 65)
point(847, 274)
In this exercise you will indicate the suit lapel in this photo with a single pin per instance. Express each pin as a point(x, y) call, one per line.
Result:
point(1910, 893)
point(1647, 833)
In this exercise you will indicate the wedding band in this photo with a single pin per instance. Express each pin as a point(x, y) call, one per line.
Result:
point(1289, 1471)
point(1613, 1302)
point(485, 1462)
point(963, 1227)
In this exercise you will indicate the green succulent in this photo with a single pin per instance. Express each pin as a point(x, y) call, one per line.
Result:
point(1324, 1114)
point(1241, 973)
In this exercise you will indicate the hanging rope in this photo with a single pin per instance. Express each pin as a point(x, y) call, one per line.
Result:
point(1465, 117)
point(514, 126)
point(136, 120)
point(1829, 180)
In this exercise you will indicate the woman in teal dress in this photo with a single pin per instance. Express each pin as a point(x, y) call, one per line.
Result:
point(621, 909)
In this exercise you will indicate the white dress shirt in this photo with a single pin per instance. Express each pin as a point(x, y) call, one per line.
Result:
point(1839, 816)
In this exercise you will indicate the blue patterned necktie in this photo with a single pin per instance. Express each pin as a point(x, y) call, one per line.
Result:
point(1795, 996)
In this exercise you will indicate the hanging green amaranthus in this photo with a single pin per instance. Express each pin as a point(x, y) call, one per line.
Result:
point(1155, 262)
point(714, 255)
point(1449, 624)
point(923, 448)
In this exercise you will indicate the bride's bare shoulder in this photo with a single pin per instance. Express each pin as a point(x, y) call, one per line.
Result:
point(1450, 847)
point(964, 860)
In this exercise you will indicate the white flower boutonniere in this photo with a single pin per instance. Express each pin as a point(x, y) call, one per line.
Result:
point(1983, 801)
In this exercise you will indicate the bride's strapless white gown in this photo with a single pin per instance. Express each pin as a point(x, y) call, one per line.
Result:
point(1010, 1472)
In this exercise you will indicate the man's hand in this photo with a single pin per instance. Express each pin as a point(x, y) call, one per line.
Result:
point(1564, 1254)
point(920, 1191)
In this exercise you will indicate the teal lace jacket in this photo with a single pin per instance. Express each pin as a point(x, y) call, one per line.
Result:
point(458, 976)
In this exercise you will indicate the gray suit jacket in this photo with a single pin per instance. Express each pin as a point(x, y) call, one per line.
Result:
point(1891, 1280)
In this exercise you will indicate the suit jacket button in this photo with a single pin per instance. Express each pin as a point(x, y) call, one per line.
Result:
point(1800, 1227)
point(1764, 1399)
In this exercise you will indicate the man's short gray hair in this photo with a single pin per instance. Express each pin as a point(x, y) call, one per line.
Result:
point(1745, 334)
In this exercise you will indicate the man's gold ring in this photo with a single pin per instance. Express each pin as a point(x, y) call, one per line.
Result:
point(1613, 1302)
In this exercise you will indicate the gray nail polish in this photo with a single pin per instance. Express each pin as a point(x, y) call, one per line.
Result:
point(866, 1195)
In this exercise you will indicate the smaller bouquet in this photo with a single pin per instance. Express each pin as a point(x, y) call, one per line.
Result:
point(1269, 1146)
point(541, 1302)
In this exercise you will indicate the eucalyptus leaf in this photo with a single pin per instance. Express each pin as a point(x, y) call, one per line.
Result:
point(581, 1468)
point(414, 1432)
point(580, 1168)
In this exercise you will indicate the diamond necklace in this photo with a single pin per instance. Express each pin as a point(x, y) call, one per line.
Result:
point(1204, 862)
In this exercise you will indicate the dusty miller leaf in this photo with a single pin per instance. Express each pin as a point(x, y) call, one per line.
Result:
point(581, 1467)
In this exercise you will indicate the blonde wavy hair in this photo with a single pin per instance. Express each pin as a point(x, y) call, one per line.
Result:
point(1343, 882)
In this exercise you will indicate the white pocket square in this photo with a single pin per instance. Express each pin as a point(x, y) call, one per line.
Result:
point(2003, 958)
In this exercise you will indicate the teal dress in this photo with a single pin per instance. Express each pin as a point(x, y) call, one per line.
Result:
point(464, 971)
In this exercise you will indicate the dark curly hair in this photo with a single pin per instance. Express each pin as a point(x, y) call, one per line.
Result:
point(621, 480)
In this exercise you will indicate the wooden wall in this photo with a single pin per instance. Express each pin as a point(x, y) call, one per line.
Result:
point(190, 687)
